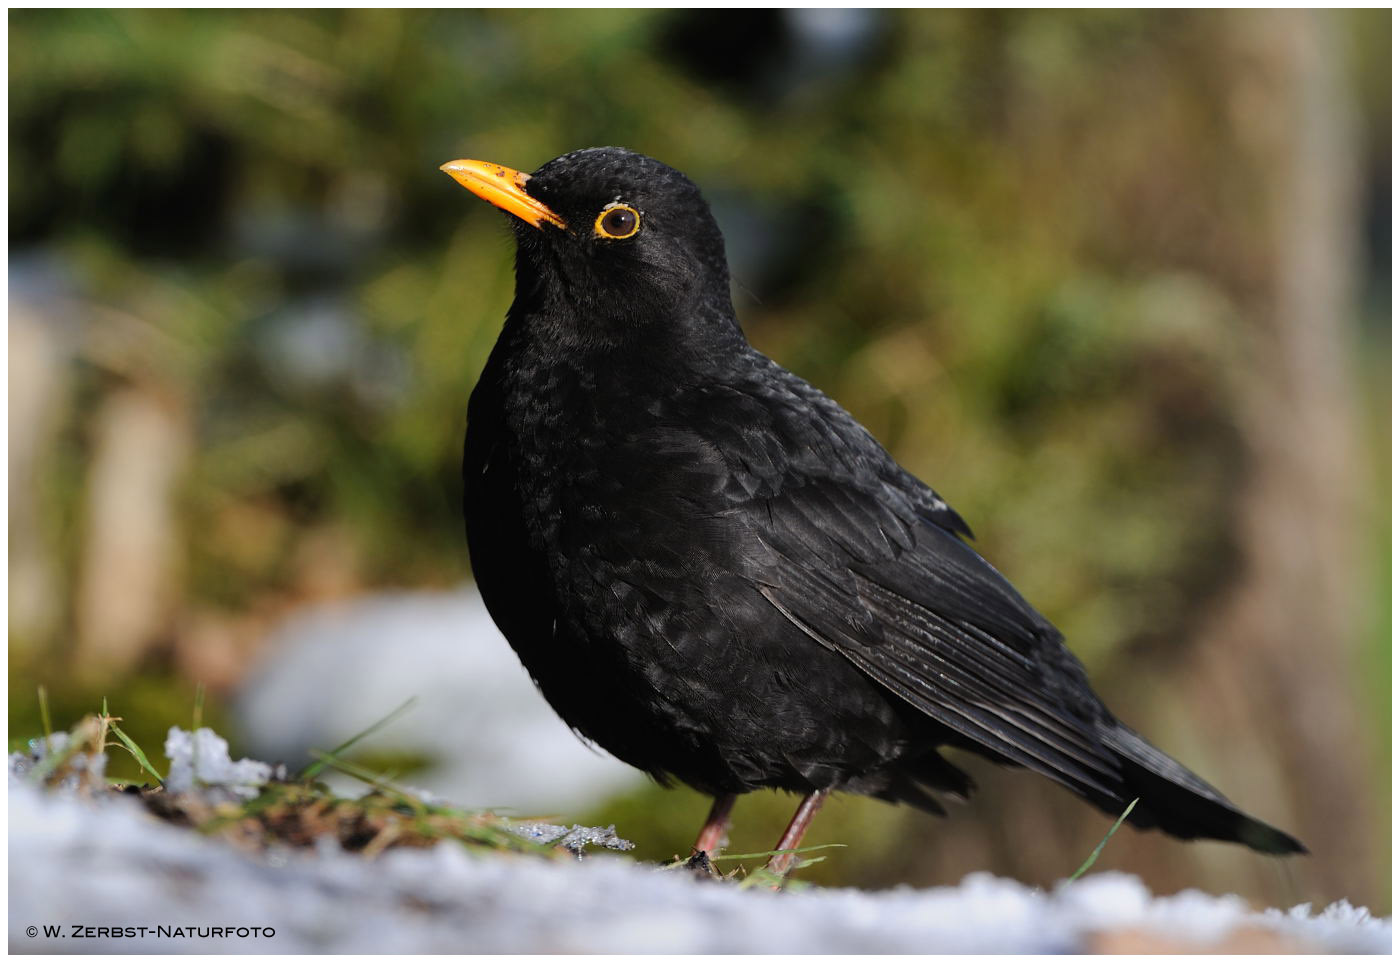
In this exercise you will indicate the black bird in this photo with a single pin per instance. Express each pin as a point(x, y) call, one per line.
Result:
point(711, 570)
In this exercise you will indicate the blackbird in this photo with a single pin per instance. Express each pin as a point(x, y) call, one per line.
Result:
point(711, 570)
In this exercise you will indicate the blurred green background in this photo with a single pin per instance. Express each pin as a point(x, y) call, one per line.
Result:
point(1116, 284)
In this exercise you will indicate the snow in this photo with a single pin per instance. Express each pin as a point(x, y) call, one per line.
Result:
point(574, 838)
point(201, 759)
point(107, 862)
point(332, 670)
point(82, 767)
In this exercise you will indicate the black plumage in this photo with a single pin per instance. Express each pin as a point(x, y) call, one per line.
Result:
point(715, 573)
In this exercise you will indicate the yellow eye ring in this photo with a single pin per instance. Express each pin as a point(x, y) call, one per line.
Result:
point(617, 222)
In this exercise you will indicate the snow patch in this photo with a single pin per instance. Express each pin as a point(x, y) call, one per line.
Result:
point(107, 862)
point(575, 838)
point(199, 760)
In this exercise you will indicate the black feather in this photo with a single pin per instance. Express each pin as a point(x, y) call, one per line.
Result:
point(715, 573)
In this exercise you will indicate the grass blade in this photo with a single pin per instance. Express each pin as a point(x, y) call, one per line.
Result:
point(311, 770)
point(379, 781)
point(44, 716)
point(777, 852)
point(135, 751)
point(1084, 868)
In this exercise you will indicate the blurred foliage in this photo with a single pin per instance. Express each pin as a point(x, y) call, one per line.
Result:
point(258, 188)
point(1018, 246)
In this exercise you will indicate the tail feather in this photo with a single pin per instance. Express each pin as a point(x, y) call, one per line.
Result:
point(915, 780)
point(1177, 801)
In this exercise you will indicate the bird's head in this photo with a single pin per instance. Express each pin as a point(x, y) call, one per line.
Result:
point(609, 241)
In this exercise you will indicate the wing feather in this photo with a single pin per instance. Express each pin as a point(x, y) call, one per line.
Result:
point(923, 615)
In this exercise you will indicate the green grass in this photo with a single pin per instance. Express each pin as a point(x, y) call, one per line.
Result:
point(1085, 866)
point(296, 811)
point(326, 759)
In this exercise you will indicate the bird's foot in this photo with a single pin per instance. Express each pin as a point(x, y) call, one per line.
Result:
point(785, 854)
point(700, 865)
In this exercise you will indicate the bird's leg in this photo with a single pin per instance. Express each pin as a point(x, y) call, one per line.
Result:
point(713, 833)
point(780, 863)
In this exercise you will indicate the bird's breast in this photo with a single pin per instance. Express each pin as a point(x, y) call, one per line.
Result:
point(632, 513)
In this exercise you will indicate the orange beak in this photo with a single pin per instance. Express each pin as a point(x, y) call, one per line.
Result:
point(502, 187)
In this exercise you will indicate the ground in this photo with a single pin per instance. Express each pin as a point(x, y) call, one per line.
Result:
point(97, 871)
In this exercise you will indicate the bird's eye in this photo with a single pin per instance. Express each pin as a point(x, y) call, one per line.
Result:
point(617, 221)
